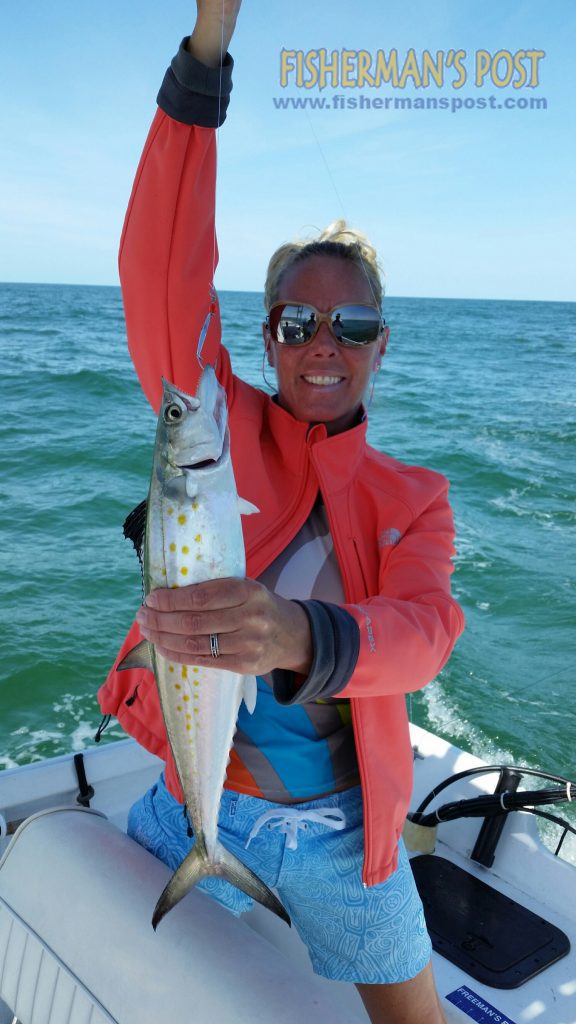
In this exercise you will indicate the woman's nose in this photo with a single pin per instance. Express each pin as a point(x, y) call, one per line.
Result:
point(324, 341)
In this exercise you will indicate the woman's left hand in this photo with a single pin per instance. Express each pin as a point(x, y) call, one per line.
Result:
point(257, 631)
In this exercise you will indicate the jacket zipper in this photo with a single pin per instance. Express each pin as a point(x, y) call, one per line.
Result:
point(277, 528)
point(354, 706)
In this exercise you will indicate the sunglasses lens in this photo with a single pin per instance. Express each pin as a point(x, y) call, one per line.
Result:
point(356, 325)
point(293, 324)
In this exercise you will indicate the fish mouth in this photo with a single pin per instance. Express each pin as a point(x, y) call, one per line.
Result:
point(205, 464)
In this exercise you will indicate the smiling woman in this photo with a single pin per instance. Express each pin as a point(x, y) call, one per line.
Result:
point(324, 378)
point(336, 627)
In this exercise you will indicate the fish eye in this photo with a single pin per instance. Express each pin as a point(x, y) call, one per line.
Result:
point(173, 413)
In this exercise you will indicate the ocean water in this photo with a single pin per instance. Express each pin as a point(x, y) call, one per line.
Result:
point(483, 391)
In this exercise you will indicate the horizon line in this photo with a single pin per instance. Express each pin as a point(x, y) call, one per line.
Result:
point(251, 291)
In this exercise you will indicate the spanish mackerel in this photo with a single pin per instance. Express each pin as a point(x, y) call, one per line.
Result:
point(188, 531)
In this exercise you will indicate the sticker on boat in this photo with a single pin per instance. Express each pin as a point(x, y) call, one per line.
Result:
point(476, 1007)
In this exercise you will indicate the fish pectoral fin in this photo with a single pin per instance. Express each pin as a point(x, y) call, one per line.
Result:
point(191, 484)
point(198, 865)
point(246, 508)
point(135, 526)
point(249, 692)
point(139, 657)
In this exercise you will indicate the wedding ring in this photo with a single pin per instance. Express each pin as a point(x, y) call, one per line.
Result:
point(214, 648)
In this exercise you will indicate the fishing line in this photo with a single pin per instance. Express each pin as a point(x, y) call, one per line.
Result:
point(339, 198)
point(533, 683)
point(344, 214)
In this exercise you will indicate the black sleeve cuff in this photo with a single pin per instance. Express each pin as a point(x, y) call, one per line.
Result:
point(193, 93)
point(336, 644)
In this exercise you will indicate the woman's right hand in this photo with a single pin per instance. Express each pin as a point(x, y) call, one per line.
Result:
point(215, 24)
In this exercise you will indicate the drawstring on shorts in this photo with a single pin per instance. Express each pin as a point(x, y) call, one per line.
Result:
point(290, 820)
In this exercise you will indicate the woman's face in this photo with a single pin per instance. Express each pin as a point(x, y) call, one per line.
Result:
point(322, 381)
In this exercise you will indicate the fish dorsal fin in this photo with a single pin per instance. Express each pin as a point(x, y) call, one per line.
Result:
point(139, 657)
point(246, 508)
point(249, 692)
point(135, 527)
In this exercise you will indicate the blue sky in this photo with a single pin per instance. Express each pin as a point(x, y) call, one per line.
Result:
point(475, 203)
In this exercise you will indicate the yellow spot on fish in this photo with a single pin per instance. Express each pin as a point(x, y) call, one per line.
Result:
point(195, 504)
point(174, 586)
point(179, 707)
point(163, 572)
point(182, 519)
point(196, 711)
point(177, 686)
point(188, 727)
point(196, 682)
point(198, 538)
point(184, 571)
point(185, 549)
point(186, 697)
point(188, 717)
point(184, 671)
point(172, 546)
point(195, 669)
point(198, 558)
point(170, 668)
point(170, 511)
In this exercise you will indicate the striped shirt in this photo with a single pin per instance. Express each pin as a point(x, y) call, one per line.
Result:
point(302, 751)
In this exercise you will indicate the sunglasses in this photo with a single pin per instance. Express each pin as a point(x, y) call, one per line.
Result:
point(293, 323)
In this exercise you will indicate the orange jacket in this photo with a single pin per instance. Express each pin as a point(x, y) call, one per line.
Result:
point(391, 523)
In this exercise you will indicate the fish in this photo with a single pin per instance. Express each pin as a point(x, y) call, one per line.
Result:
point(189, 530)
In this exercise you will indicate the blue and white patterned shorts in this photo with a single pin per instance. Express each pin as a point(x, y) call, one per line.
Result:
point(311, 854)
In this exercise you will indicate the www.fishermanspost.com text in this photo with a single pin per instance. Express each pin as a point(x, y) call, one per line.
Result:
point(453, 104)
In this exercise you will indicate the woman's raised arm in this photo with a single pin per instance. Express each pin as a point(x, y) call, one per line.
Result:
point(215, 23)
point(168, 250)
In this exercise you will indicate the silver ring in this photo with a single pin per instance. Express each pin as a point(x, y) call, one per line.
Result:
point(214, 648)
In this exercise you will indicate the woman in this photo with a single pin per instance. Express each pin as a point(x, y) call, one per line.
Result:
point(347, 603)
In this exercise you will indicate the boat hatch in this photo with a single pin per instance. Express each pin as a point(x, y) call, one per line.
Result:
point(493, 938)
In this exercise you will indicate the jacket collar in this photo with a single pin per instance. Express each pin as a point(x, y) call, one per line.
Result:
point(329, 454)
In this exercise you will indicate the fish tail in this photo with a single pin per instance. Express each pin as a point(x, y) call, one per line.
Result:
point(198, 865)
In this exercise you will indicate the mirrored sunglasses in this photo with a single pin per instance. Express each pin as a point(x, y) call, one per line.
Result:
point(293, 323)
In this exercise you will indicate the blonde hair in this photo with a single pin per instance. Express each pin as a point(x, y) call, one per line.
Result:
point(336, 240)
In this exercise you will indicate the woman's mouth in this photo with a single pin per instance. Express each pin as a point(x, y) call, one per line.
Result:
point(322, 380)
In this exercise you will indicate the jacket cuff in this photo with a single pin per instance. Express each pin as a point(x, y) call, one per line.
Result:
point(336, 645)
point(193, 93)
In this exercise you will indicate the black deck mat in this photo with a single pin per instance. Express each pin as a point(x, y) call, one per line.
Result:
point(491, 937)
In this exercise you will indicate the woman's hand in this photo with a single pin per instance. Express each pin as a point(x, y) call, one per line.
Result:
point(257, 630)
point(215, 23)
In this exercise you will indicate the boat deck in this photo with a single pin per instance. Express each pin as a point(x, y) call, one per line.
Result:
point(76, 895)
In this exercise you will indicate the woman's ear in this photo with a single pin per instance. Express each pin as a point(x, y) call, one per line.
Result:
point(268, 347)
point(383, 344)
